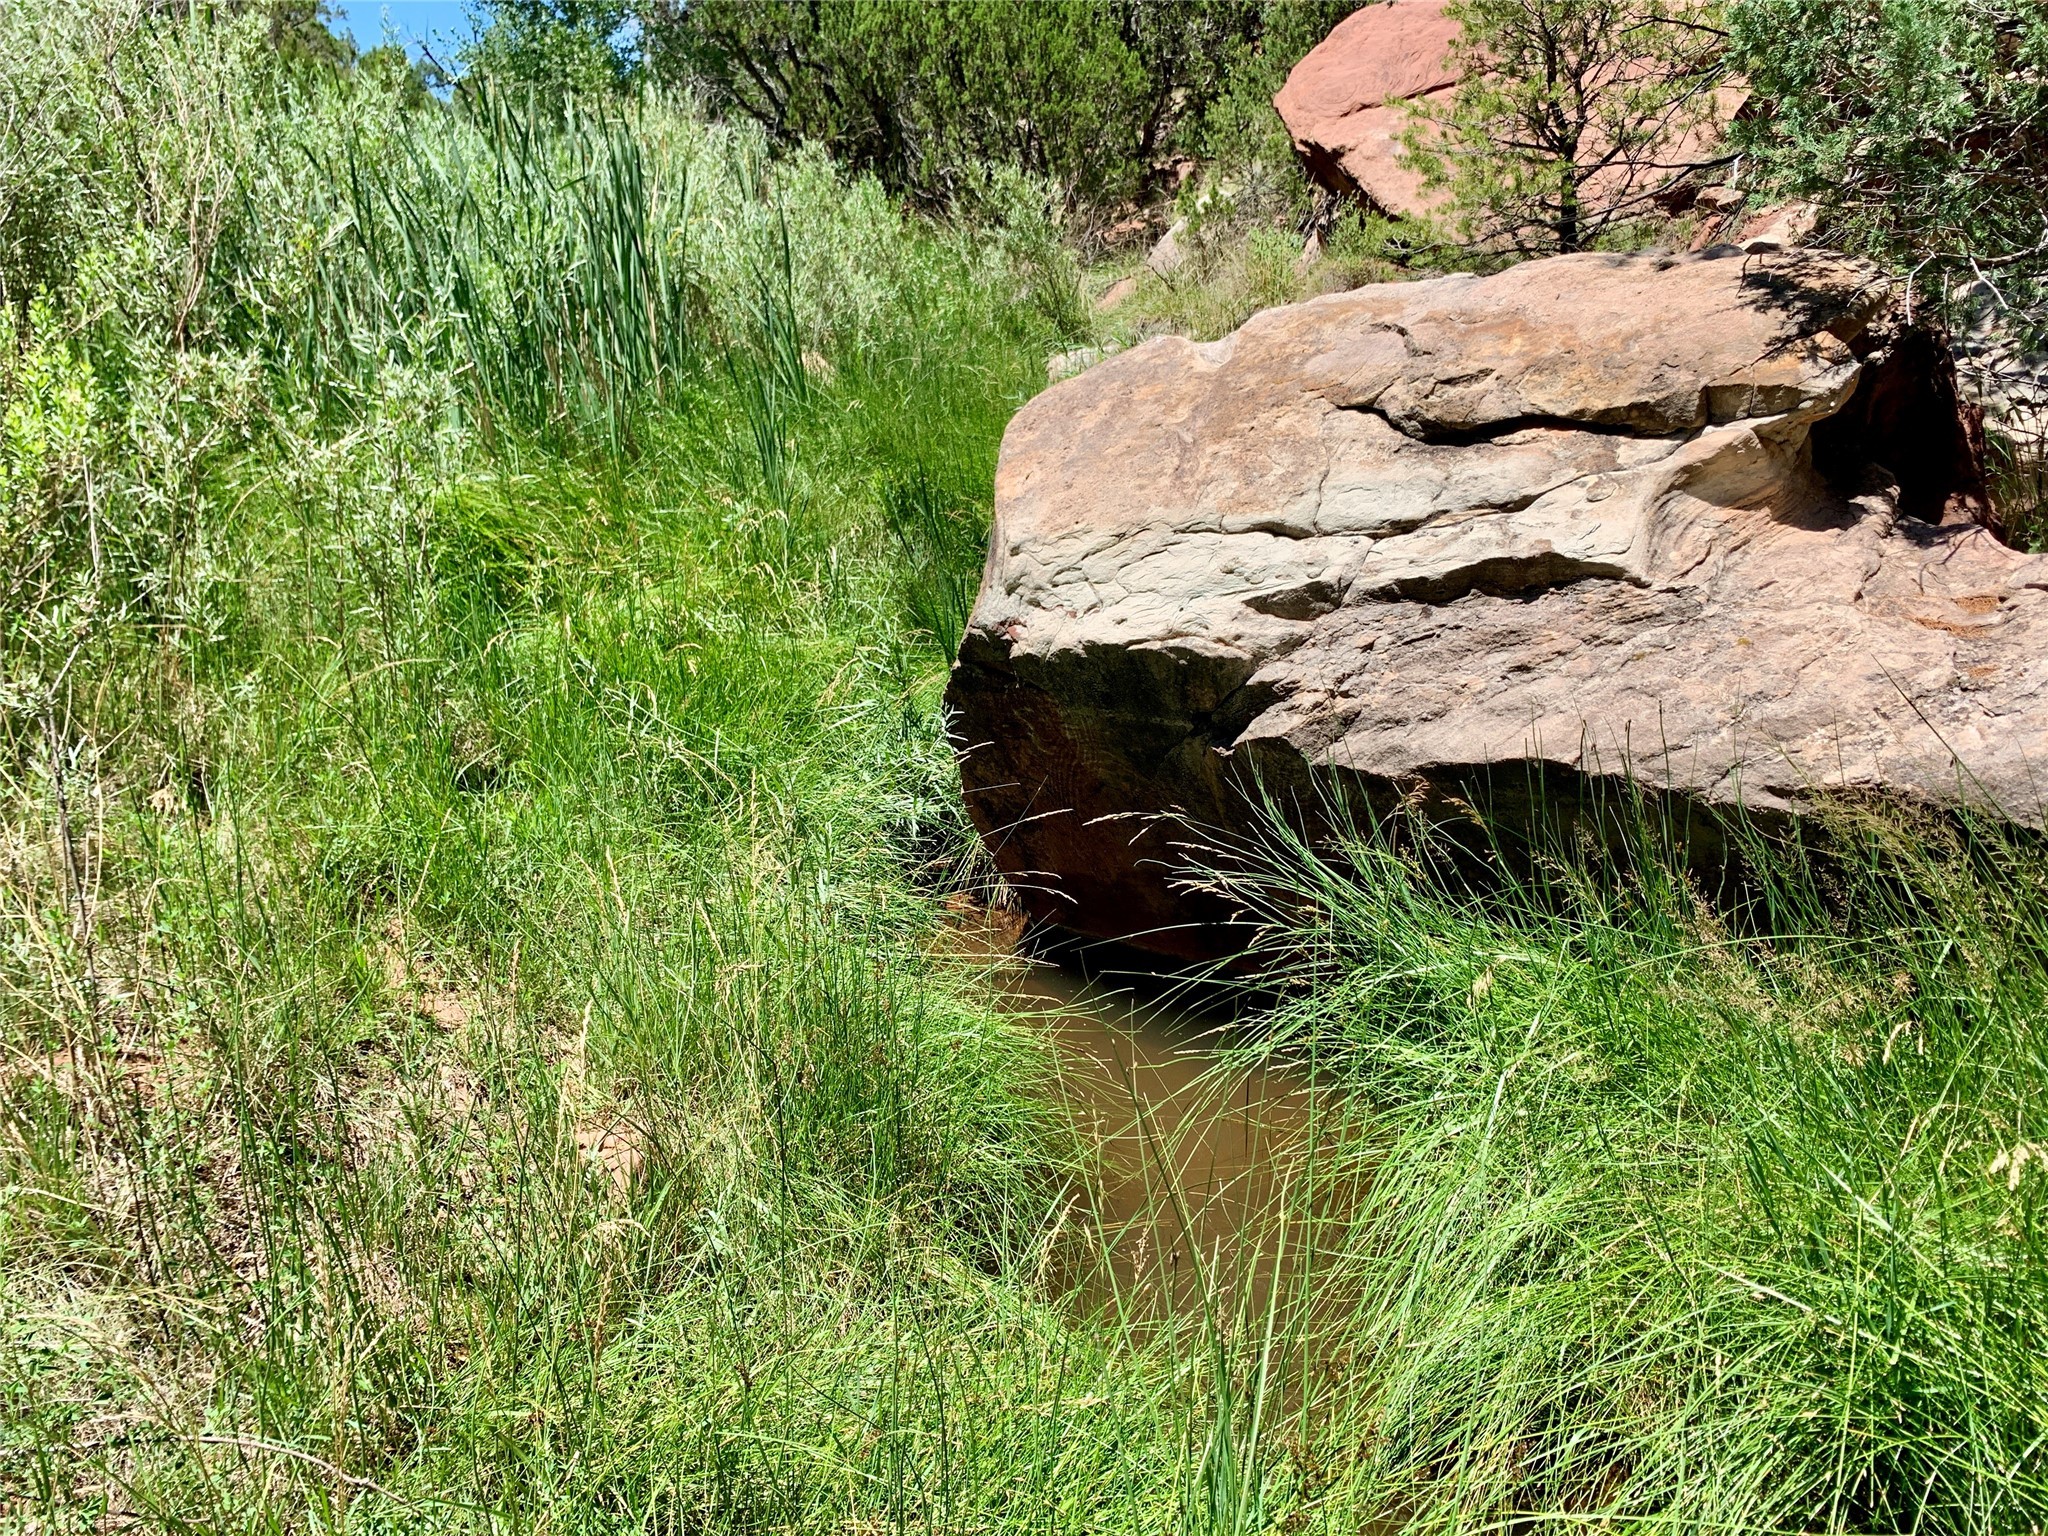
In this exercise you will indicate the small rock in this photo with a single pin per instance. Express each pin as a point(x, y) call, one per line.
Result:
point(1719, 200)
point(1115, 294)
point(1126, 231)
point(1783, 228)
point(1167, 257)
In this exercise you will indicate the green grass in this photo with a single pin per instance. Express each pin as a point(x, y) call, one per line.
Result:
point(1723, 1216)
point(501, 1060)
point(478, 1045)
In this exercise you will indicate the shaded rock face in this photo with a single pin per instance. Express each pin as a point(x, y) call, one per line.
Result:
point(1708, 522)
point(1343, 102)
point(2006, 378)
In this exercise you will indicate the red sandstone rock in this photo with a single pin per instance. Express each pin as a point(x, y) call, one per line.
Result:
point(1342, 102)
point(1351, 98)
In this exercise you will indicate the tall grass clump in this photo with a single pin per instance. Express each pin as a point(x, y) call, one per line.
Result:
point(471, 1049)
point(1722, 1216)
point(548, 260)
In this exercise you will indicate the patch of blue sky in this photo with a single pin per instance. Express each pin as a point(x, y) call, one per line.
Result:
point(439, 27)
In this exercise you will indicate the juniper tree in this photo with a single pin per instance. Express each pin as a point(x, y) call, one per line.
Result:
point(1096, 95)
point(1573, 116)
point(1920, 126)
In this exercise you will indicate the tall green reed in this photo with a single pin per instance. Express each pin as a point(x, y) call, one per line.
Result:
point(940, 542)
point(541, 255)
point(771, 380)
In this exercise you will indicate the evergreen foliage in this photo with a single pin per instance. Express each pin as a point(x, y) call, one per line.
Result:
point(302, 32)
point(1571, 117)
point(1097, 95)
point(1919, 126)
point(557, 49)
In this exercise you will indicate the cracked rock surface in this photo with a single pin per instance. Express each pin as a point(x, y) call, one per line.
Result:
point(1709, 521)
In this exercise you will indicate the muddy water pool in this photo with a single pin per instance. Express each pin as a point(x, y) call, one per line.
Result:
point(1193, 1174)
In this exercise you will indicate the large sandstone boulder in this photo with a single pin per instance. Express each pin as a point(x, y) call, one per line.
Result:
point(1705, 521)
point(1344, 102)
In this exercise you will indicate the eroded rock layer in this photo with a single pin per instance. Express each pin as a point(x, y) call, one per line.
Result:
point(1712, 522)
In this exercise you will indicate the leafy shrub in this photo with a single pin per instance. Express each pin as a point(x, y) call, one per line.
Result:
point(1096, 95)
